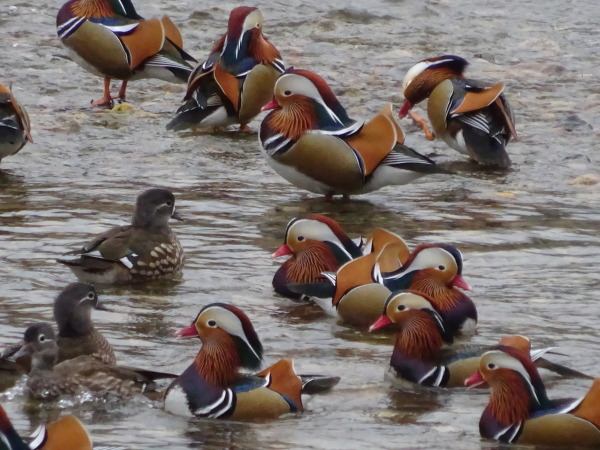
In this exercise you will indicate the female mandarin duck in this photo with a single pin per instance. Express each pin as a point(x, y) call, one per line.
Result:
point(316, 244)
point(419, 356)
point(48, 380)
point(212, 385)
point(109, 39)
point(145, 250)
point(436, 271)
point(67, 433)
point(15, 129)
point(310, 140)
point(520, 411)
point(236, 80)
point(472, 117)
point(76, 332)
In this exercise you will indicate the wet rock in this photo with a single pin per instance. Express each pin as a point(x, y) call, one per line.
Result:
point(573, 122)
point(588, 179)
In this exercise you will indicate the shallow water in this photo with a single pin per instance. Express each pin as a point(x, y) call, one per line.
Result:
point(529, 237)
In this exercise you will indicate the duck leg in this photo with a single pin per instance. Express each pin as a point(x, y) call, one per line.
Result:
point(422, 124)
point(106, 101)
point(122, 91)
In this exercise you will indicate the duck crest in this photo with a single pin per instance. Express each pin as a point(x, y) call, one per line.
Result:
point(326, 94)
point(436, 70)
point(293, 119)
point(339, 232)
point(307, 265)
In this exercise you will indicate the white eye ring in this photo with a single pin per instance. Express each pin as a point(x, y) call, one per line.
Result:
point(491, 366)
point(212, 323)
point(441, 267)
point(91, 295)
point(42, 338)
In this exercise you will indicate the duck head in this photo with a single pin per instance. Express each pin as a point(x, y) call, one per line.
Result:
point(302, 232)
point(153, 209)
point(229, 343)
point(422, 78)
point(431, 265)
point(73, 309)
point(39, 341)
point(421, 330)
point(304, 101)
point(516, 387)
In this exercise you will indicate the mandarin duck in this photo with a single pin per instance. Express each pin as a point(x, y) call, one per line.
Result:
point(76, 332)
point(310, 140)
point(15, 128)
point(84, 374)
point(419, 356)
point(352, 294)
point(236, 80)
point(212, 385)
point(519, 410)
point(470, 116)
point(316, 244)
point(67, 433)
point(436, 271)
point(108, 38)
point(145, 250)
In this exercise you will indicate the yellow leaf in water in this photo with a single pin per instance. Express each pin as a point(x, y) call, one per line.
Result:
point(505, 194)
point(122, 107)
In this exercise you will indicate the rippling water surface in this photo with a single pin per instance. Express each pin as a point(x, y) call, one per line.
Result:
point(530, 236)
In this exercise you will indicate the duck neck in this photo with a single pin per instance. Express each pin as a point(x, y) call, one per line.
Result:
point(510, 400)
point(308, 264)
point(294, 119)
point(418, 338)
point(218, 362)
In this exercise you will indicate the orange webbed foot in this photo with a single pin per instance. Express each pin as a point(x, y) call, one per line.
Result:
point(422, 124)
point(104, 102)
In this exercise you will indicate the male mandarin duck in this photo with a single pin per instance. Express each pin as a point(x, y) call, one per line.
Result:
point(419, 356)
point(84, 374)
point(436, 271)
point(472, 117)
point(145, 250)
point(110, 39)
point(519, 410)
point(310, 140)
point(316, 244)
point(236, 80)
point(76, 332)
point(67, 433)
point(212, 385)
point(15, 129)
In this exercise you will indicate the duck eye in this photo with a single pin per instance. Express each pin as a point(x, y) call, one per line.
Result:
point(169, 203)
point(440, 267)
point(91, 295)
point(491, 366)
point(300, 238)
point(212, 323)
point(287, 93)
point(401, 307)
point(257, 25)
point(42, 338)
